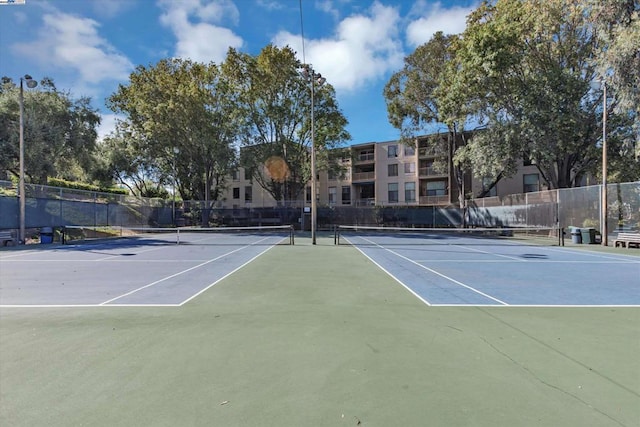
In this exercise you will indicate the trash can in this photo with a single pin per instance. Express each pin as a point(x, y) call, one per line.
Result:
point(46, 235)
point(588, 235)
point(576, 236)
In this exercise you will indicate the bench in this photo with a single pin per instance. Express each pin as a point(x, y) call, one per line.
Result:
point(627, 240)
point(6, 237)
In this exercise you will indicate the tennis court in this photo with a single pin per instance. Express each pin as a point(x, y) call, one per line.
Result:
point(315, 335)
point(145, 266)
point(503, 267)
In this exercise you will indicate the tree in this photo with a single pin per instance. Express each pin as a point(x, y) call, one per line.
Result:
point(124, 160)
point(416, 100)
point(527, 66)
point(182, 121)
point(617, 26)
point(276, 102)
point(59, 132)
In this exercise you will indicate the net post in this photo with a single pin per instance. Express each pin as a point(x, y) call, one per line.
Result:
point(292, 235)
point(63, 232)
point(177, 236)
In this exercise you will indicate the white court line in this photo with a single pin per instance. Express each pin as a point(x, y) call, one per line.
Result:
point(136, 253)
point(115, 259)
point(107, 304)
point(83, 305)
point(540, 305)
point(490, 253)
point(197, 294)
point(438, 273)
point(619, 257)
point(181, 272)
point(390, 275)
point(534, 260)
point(18, 253)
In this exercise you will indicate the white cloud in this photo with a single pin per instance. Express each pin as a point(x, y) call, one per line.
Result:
point(107, 125)
point(436, 18)
point(364, 48)
point(201, 41)
point(70, 42)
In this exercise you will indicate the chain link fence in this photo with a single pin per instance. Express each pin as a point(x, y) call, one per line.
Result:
point(581, 207)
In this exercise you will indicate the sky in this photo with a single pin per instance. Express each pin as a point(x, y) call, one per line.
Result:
point(89, 47)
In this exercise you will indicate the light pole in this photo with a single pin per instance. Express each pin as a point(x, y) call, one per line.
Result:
point(602, 84)
point(22, 196)
point(310, 75)
point(176, 150)
point(605, 230)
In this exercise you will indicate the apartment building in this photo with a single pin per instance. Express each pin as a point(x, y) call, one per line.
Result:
point(387, 173)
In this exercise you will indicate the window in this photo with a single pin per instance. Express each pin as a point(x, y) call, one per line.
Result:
point(236, 192)
point(436, 188)
point(248, 194)
point(333, 195)
point(392, 151)
point(346, 195)
point(247, 174)
point(409, 151)
point(392, 170)
point(410, 168)
point(531, 182)
point(409, 191)
point(236, 175)
point(393, 192)
point(493, 191)
point(308, 194)
point(366, 154)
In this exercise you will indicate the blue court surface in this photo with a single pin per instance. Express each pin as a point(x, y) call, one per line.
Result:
point(466, 271)
point(125, 272)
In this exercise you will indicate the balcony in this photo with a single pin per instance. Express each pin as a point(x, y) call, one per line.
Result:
point(365, 157)
point(363, 176)
point(434, 200)
point(431, 171)
point(428, 152)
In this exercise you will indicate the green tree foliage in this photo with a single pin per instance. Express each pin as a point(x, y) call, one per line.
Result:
point(617, 26)
point(59, 133)
point(124, 160)
point(276, 101)
point(182, 121)
point(528, 66)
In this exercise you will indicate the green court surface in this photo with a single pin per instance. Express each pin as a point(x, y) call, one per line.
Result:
point(318, 336)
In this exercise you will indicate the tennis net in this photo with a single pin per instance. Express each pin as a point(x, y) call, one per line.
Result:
point(399, 236)
point(265, 235)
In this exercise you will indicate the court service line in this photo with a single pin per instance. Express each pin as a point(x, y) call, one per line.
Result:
point(197, 294)
point(18, 253)
point(438, 273)
point(414, 293)
point(619, 257)
point(490, 253)
point(137, 253)
point(179, 273)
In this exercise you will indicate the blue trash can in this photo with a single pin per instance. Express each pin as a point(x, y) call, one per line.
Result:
point(46, 235)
